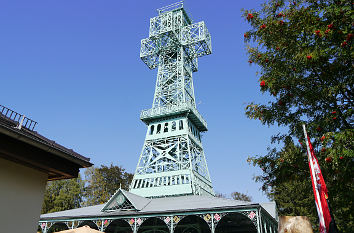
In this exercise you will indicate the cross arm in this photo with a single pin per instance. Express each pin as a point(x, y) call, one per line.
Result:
point(197, 37)
point(149, 52)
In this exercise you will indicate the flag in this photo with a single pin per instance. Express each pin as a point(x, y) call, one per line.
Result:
point(320, 191)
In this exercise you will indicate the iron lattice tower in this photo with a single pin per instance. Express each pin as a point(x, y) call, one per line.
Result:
point(172, 160)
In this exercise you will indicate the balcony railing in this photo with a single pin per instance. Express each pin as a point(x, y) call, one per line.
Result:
point(173, 110)
point(21, 120)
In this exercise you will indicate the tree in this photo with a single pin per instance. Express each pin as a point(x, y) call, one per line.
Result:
point(304, 51)
point(220, 195)
point(63, 195)
point(103, 182)
point(99, 185)
point(235, 196)
point(240, 196)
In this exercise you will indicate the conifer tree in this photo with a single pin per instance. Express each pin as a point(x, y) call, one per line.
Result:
point(304, 51)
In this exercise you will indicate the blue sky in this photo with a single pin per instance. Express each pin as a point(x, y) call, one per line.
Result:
point(74, 67)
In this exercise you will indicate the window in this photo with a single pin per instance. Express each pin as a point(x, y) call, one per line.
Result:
point(152, 129)
point(165, 129)
point(173, 126)
point(180, 124)
point(158, 128)
point(135, 183)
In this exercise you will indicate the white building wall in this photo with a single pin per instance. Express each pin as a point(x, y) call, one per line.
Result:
point(21, 197)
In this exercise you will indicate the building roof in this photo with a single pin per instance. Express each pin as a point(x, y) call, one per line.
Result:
point(164, 205)
point(28, 147)
point(271, 208)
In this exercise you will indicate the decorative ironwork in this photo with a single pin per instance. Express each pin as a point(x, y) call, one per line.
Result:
point(139, 221)
point(170, 110)
point(266, 223)
point(70, 224)
point(167, 220)
point(208, 219)
point(118, 201)
point(217, 217)
point(252, 215)
point(172, 158)
point(49, 225)
point(76, 223)
point(43, 226)
point(120, 204)
point(176, 219)
point(21, 120)
point(98, 223)
point(130, 221)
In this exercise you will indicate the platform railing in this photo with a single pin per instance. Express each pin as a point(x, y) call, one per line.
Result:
point(171, 7)
point(170, 109)
point(21, 120)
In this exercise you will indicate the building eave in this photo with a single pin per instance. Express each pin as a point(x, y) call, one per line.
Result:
point(36, 143)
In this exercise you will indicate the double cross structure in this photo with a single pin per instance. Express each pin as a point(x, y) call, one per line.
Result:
point(171, 191)
point(172, 160)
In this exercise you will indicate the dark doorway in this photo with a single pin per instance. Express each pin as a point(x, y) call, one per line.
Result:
point(89, 223)
point(153, 225)
point(59, 226)
point(119, 226)
point(192, 224)
point(234, 223)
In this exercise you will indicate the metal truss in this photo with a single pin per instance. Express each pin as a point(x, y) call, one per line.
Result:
point(174, 45)
point(126, 205)
point(172, 160)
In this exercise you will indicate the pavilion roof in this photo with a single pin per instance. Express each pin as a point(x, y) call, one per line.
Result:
point(163, 205)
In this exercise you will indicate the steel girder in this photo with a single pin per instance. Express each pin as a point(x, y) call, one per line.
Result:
point(172, 161)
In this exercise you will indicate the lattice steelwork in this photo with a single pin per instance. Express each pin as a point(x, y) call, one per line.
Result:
point(172, 160)
point(125, 205)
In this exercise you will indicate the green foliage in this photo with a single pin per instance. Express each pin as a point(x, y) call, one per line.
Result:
point(221, 195)
point(99, 185)
point(103, 182)
point(63, 195)
point(304, 51)
point(240, 196)
point(235, 196)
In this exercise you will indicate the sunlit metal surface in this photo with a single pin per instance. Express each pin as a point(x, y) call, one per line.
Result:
point(172, 160)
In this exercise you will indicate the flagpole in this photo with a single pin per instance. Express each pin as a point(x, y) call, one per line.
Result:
point(319, 208)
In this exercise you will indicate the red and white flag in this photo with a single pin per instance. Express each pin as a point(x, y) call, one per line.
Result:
point(319, 188)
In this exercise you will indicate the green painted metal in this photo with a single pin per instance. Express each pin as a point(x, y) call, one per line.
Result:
point(258, 216)
point(172, 161)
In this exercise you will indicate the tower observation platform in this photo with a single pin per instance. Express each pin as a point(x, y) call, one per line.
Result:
point(172, 161)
